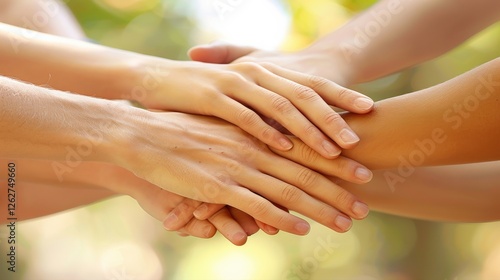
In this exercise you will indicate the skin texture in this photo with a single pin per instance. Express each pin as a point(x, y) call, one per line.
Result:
point(190, 87)
point(202, 158)
point(410, 32)
point(435, 126)
point(112, 74)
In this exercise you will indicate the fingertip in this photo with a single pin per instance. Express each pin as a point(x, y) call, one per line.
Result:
point(270, 230)
point(170, 221)
point(361, 210)
point(363, 174)
point(285, 143)
point(302, 228)
point(364, 104)
point(200, 213)
point(239, 238)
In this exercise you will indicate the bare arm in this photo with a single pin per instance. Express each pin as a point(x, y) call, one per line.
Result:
point(243, 89)
point(455, 122)
point(39, 192)
point(388, 37)
point(197, 157)
point(459, 193)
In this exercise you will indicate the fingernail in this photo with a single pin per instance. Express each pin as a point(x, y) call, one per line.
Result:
point(363, 103)
point(200, 211)
point(286, 143)
point(348, 136)
point(360, 209)
point(343, 223)
point(208, 231)
point(270, 229)
point(363, 174)
point(239, 236)
point(330, 149)
point(169, 221)
point(303, 228)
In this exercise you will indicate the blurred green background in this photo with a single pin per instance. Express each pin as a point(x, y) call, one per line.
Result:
point(115, 239)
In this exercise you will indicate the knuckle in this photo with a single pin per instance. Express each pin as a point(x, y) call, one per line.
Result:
point(305, 94)
point(311, 130)
point(344, 198)
point(181, 208)
point(333, 117)
point(247, 117)
point(230, 78)
point(290, 194)
point(343, 93)
point(316, 82)
point(307, 154)
point(248, 67)
point(282, 105)
point(306, 177)
point(259, 208)
point(325, 213)
point(267, 133)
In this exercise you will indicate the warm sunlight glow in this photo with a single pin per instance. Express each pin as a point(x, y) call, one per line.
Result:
point(259, 23)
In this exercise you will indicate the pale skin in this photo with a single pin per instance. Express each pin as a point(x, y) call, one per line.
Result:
point(421, 30)
point(414, 32)
point(161, 84)
point(201, 158)
point(395, 66)
point(299, 102)
point(422, 135)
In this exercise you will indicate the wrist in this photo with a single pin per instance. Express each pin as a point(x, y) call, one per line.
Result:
point(143, 79)
point(333, 63)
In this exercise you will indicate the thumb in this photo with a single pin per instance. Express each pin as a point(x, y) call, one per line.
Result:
point(218, 53)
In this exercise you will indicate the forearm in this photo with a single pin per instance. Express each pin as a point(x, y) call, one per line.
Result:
point(461, 193)
point(47, 16)
point(67, 64)
point(39, 191)
point(395, 34)
point(48, 124)
point(452, 123)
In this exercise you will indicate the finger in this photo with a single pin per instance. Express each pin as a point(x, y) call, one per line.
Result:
point(246, 221)
point(313, 111)
point(234, 112)
point(180, 215)
point(229, 227)
point(331, 92)
point(267, 228)
point(341, 167)
point(263, 210)
point(314, 184)
point(278, 107)
point(206, 210)
point(295, 199)
point(218, 53)
point(201, 229)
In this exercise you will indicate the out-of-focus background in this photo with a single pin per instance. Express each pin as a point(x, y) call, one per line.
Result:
point(115, 239)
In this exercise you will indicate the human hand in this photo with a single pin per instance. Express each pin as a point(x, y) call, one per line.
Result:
point(306, 61)
point(171, 209)
point(210, 160)
point(297, 101)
